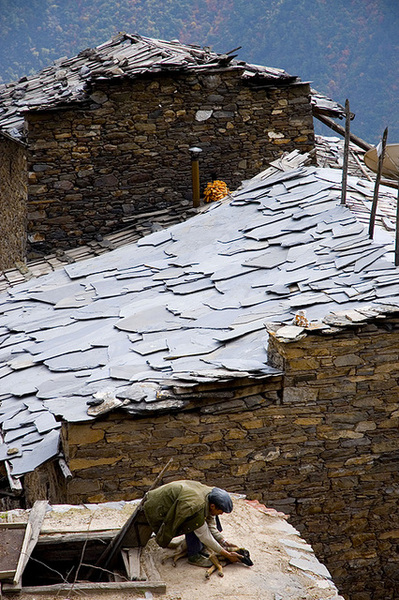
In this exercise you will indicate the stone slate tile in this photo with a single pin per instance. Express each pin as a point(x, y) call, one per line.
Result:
point(368, 260)
point(37, 455)
point(307, 299)
point(137, 321)
point(21, 419)
point(76, 361)
point(45, 422)
point(191, 347)
point(273, 257)
point(244, 246)
point(4, 451)
point(31, 438)
point(294, 239)
point(383, 292)
point(255, 184)
point(345, 230)
point(56, 386)
point(25, 382)
point(18, 434)
point(52, 295)
point(241, 330)
point(150, 346)
point(9, 412)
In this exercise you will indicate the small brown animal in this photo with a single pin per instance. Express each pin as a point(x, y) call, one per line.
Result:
point(216, 559)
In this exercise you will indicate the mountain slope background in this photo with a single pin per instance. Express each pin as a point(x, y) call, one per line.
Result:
point(346, 48)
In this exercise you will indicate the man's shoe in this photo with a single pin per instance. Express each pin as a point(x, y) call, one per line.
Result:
point(199, 561)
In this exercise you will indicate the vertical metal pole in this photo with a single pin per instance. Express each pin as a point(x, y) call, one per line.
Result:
point(377, 184)
point(346, 153)
point(397, 231)
point(196, 181)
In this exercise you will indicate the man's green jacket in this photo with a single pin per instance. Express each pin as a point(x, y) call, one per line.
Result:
point(176, 508)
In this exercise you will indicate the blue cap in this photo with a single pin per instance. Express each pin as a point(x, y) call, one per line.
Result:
point(221, 499)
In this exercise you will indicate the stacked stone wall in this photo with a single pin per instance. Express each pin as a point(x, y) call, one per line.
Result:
point(340, 482)
point(128, 150)
point(119, 457)
point(13, 197)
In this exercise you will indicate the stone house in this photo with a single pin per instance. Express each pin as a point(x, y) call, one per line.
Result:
point(96, 138)
point(194, 345)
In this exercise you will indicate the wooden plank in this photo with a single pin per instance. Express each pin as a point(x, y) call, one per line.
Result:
point(131, 559)
point(35, 521)
point(75, 536)
point(158, 587)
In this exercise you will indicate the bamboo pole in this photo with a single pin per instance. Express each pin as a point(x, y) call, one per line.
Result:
point(346, 152)
point(377, 184)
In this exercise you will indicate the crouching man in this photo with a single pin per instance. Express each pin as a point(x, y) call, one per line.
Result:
point(190, 508)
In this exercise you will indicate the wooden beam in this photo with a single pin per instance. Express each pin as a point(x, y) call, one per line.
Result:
point(377, 184)
point(32, 533)
point(339, 129)
point(65, 469)
point(346, 152)
point(158, 587)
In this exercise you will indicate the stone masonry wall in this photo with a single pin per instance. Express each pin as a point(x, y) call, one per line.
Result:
point(12, 203)
point(340, 481)
point(213, 441)
point(127, 151)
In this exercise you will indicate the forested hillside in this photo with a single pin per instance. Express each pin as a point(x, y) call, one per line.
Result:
point(347, 48)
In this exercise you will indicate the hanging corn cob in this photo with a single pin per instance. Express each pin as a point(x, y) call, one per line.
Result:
point(215, 190)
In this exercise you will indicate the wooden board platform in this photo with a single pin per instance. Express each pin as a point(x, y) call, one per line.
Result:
point(11, 539)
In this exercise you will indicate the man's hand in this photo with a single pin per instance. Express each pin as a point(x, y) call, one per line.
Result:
point(228, 545)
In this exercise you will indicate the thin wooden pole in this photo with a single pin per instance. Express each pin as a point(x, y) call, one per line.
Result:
point(346, 152)
point(397, 231)
point(377, 184)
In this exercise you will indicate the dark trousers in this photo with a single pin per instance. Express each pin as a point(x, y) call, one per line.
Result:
point(194, 544)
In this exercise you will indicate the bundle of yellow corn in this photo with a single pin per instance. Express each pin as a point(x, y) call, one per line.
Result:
point(215, 190)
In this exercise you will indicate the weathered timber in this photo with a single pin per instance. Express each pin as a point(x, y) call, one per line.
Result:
point(131, 560)
point(158, 587)
point(341, 130)
point(32, 532)
point(346, 152)
point(377, 184)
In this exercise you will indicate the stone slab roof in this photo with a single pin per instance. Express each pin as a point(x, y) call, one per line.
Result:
point(72, 80)
point(137, 329)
